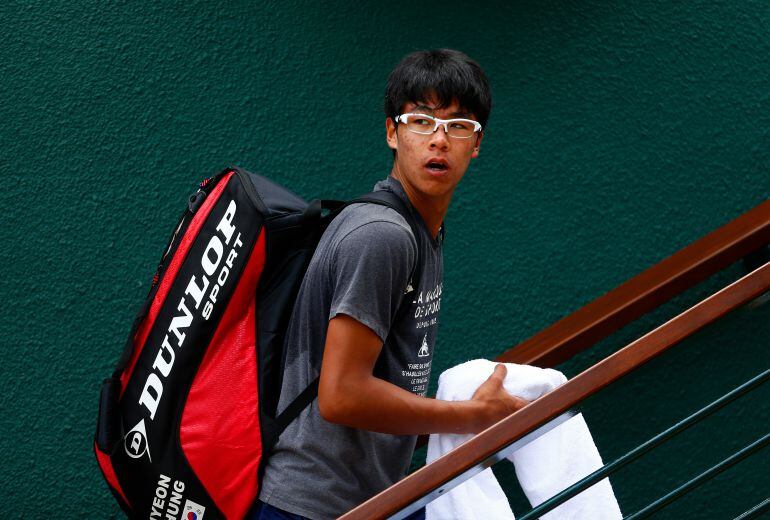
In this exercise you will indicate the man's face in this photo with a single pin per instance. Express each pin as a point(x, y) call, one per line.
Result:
point(431, 165)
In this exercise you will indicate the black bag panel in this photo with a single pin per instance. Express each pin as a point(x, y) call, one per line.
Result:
point(292, 236)
point(276, 200)
point(274, 313)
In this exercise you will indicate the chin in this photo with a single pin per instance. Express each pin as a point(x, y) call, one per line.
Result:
point(430, 185)
point(436, 187)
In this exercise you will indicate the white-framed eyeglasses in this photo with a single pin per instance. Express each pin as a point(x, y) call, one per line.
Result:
point(425, 124)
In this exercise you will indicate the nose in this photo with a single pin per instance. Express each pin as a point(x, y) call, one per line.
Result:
point(439, 138)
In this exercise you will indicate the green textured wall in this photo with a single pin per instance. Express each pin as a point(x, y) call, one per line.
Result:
point(620, 133)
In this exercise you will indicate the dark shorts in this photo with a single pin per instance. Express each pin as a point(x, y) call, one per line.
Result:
point(264, 511)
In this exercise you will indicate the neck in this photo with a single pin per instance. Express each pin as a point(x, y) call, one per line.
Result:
point(431, 209)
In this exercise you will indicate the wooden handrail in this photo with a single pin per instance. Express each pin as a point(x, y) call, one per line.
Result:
point(646, 291)
point(642, 293)
point(485, 445)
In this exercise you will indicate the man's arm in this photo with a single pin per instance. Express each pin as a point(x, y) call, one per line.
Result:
point(351, 395)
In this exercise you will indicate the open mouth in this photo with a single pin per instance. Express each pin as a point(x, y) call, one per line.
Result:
point(436, 166)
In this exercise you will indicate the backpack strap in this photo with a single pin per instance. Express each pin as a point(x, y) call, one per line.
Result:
point(383, 198)
point(296, 406)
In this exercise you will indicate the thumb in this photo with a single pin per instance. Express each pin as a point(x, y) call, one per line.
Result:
point(492, 383)
point(500, 372)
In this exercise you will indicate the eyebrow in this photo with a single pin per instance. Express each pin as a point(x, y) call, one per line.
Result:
point(459, 113)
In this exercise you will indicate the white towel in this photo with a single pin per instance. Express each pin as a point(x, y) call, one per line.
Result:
point(544, 467)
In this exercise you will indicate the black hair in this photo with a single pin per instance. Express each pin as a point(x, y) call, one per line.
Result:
point(445, 75)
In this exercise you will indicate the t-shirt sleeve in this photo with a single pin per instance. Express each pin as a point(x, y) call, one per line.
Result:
point(370, 273)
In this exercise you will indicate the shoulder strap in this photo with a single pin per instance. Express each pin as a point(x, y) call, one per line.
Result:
point(383, 198)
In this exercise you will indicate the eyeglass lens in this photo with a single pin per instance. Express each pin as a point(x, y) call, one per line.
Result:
point(424, 125)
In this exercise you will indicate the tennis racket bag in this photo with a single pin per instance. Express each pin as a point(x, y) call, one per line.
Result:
point(190, 411)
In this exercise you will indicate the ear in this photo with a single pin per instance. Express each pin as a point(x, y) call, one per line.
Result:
point(391, 136)
point(477, 146)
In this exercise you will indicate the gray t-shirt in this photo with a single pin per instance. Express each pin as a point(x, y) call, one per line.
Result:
point(362, 269)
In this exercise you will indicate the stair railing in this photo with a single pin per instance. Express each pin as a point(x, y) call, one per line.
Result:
point(743, 236)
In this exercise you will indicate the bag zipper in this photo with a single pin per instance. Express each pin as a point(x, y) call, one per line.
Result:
point(193, 204)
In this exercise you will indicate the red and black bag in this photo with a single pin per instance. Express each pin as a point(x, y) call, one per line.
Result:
point(189, 414)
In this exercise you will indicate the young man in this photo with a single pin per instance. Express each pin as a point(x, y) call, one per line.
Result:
point(359, 322)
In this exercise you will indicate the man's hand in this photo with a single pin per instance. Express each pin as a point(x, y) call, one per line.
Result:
point(497, 404)
point(349, 394)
